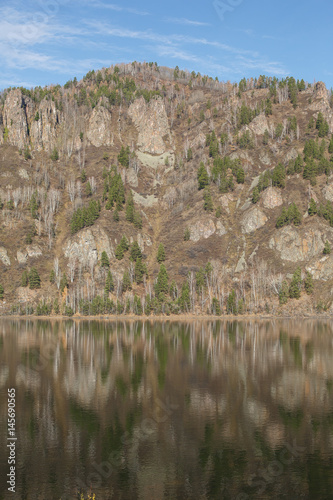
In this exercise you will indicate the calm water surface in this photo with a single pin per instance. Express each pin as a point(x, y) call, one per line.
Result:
point(201, 410)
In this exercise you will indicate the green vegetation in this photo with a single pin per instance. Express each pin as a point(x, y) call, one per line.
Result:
point(290, 215)
point(85, 217)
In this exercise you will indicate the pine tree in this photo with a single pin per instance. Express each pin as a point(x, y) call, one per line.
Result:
point(63, 282)
point(109, 284)
point(322, 125)
point(105, 260)
point(116, 216)
point(25, 279)
point(327, 248)
point(147, 305)
point(232, 303)
point(330, 146)
point(203, 178)
point(187, 234)
point(279, 176)
point(284, 293)
point(162, 285)
point(160, 254)
point(295, 285)
point(255, 195)
point(34, 279)
point(137, 305)
point(119, 253)
point(135, 251)
point(208, 202)
point(129, 214)
point(34, 206)
point(240, 176)
point(139, 271)
point(308, 283)
point(137, 220)
point(2, 292)
point(185, 299)
point(312, 210)
point(127, 285)
point(88, 189)
point(83, 176)
point(52, 276)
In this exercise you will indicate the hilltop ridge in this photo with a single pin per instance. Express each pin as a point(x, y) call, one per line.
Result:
point(144, 189)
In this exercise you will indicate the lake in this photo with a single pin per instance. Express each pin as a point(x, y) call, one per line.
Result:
point(168, 410)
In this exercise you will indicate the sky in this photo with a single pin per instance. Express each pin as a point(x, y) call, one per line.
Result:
point(46, 42)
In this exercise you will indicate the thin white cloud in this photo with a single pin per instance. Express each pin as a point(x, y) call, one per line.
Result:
point(187, 22)
point(118, 8)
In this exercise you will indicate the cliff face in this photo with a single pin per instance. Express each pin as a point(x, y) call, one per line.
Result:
point(155, 133)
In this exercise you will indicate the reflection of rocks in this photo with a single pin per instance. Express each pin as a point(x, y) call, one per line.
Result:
point(254, 219)
point(295, 387)
point(294, 245)
point(257, 412)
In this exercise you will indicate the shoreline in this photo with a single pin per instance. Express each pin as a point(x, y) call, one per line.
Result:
point(171, 317)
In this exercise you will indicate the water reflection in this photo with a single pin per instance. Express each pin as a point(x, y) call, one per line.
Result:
point(144, 410)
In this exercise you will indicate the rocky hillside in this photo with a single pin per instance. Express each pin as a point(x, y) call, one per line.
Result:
point(142, 189)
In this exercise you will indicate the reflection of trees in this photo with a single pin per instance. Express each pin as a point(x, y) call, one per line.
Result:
point(88, 391)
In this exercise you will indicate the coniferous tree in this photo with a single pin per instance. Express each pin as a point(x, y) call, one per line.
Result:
point(109, 284)
point(327, 248)
point(88, 189)
point(208, 202)
point(295, 285)
point(232, 303)
point(187, 234)
point(312, 210)
point(83, 176)
point(116, 216)
point(330, 146)
point(63, 282)
point(279, 176)
point(322, 125)
point(185, 299)
point(34, 279)
point(137, 220)
point(127, 285)
point(255, 195)
point(265, 138)
point(2, 292)
point(203, 178)
point(160, 254)
point(52, 276)
point(140, 271)
point(162, 286)
point(284, 293)
point(129, 214)
point(308, 283)
point(147, 305)
point(135, 251)
point(105, 260)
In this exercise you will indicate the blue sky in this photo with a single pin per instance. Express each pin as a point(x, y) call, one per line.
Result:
point(51, 41)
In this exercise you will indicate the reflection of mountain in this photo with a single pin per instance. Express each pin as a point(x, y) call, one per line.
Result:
point(171, 406)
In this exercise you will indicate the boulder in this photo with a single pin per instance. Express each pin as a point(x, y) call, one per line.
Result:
point(202, 229)
point(272, 198)
point(254, 219)
point(4, 256)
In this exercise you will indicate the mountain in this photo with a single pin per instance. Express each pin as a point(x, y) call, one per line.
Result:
point(148, 189)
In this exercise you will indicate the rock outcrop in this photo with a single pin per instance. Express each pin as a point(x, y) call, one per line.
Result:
point(295, 245)
point(254, 219)
point(203, 229)
point(99, 129)
point(4, 256)
point(15, 120)
point(272, 198)
point(152, 123)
